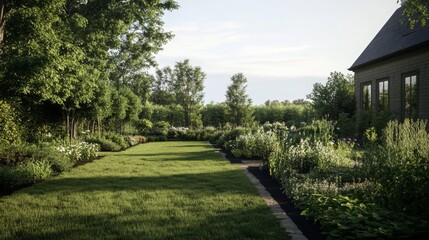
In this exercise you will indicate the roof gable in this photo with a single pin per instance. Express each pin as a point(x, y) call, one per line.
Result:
point(392, 39)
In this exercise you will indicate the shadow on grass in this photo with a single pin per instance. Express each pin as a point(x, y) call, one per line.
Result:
point(238, 223)
point(176, 156)
point(198, 185)
point(196, 145)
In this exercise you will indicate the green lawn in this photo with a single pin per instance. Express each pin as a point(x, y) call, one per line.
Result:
point(168, 190)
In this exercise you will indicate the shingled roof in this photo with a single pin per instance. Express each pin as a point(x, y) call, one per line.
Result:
point(394, 38)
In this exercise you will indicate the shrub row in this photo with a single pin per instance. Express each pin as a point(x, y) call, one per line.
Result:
point(113, 142)
point(25, 164)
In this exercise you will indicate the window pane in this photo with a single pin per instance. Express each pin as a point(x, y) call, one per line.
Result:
point(366, 97)
point(410, 97)
point(383, 95)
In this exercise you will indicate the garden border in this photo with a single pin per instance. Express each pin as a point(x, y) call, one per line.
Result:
point(297, 226)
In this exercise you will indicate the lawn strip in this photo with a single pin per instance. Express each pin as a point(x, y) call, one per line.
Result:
point(169, 190)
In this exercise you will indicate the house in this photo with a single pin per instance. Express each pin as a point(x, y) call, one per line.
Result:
point(392, 73)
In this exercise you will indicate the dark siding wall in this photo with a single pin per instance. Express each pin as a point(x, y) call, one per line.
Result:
point(393, 69)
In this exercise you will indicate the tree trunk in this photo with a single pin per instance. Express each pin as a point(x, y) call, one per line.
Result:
point(1, 22)
point(73, 125)
point(186, 112)
point(99, 127)
point(67, 122)
point(93, 127)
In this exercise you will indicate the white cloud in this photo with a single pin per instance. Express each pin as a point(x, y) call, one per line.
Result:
point(223, 49)
point(202, 40)
point(270, 50)
point(206, 27)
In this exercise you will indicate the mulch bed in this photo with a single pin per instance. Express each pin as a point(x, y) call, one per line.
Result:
point(308, 227)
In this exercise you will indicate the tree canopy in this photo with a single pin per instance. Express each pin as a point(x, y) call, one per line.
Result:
point(335, 97)
point(64, 52)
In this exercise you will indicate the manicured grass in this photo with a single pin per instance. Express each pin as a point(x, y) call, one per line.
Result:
point(169, 190)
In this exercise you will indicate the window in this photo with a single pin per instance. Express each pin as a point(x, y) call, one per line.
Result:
point(410, 96)
point(366, 96)
point(383, 95)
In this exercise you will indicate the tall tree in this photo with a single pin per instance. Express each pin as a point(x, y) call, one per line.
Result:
point(162, 92)
point(238, 102)
point(188, 84)
point(335, 97)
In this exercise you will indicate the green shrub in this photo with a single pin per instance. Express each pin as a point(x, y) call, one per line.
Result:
point(9, 131)
point(178, 133)
point(144, 126)
point(27, 164)
point(116, 138)
point(256, 145)
point(276, 127)
point(194, 135)
point(157, 138)
point(15, 155)
point(34, 171)
point(211, 134)
point(109, 146)
point(346, 125)
point(140, 139)
point(131, 141)
point(319, 131)
point(135, 140)
point(12, 177)
point(342, 217)
point(106, 145)
point(9, 178)
point(400, 165)
point(160, 128)
point(228, 137)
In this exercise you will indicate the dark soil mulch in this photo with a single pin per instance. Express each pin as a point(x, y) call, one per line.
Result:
point(307, 226)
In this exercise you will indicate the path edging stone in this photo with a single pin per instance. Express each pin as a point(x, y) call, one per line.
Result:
point(285, 221)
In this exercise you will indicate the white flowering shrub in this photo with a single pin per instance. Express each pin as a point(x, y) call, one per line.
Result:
point(80, 152)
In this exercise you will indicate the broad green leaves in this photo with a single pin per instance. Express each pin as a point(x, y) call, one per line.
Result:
point(416, 12)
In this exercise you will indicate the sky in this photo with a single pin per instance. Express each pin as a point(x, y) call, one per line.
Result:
point(283, 47)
